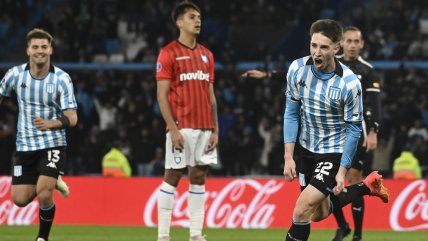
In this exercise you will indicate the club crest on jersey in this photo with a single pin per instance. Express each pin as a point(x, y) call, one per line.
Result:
point(50, 88)
point(204, 58)
point(158, 67)
point(334, 93)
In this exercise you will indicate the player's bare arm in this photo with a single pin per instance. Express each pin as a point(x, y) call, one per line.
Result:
point(163, 87)
point(214, 136)
point(289, 163)
point(69, 119)
point(257, 74)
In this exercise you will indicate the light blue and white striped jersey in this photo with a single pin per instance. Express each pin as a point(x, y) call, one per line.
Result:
point(45, 98)
point(327, 101)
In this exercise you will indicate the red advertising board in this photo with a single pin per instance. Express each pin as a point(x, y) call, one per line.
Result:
point(230, 203)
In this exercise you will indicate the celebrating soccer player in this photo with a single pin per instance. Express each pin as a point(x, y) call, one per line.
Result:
point(185, 78)
point(326, 97)
point(46, 107)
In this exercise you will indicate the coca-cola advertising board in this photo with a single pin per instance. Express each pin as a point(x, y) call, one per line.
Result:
point(230, 203)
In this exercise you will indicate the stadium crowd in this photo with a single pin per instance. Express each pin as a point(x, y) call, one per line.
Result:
point(119, 108)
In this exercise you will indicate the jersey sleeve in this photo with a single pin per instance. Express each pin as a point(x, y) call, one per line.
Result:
point(292, 90)
point(164, 66)
point(7, 84)
point(66, 90)
point(353, 101)
point(373, 104)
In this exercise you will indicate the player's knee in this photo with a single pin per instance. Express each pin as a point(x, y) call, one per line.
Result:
point(197, 179)
point(45, 198)
point(319, 215)
point(21, 201)
point(355, 178)
point(302, 212)
point(197, 175)
point(172, 177)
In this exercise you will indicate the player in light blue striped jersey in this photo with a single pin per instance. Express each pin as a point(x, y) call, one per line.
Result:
point(323, 97)
point(47, 107)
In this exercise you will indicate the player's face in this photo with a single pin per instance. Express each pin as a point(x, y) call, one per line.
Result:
point(352, 43)
point(190, 22)
point(323, 51)
point(39, 51)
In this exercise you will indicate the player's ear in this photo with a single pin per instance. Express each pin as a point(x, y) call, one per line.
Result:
point(362, 43)
point(337, 48)
point(179, 22)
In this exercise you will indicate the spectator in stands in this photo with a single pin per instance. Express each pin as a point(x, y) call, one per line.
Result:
point(418, 130)
point(115, 164)
point(406, 166)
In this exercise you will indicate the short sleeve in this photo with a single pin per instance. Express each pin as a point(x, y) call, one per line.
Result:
point(67, 98)
point(7, 83)
point(164, 66)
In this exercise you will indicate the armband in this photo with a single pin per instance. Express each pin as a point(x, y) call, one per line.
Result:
point(64, 121)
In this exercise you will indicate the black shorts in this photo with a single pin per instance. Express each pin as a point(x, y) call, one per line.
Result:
point(319, 170)
point(360, 155)
point(29, 165)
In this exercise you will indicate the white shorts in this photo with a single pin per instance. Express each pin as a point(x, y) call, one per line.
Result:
point(195, 143)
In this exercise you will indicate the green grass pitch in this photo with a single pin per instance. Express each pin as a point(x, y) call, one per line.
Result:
point(108, 233)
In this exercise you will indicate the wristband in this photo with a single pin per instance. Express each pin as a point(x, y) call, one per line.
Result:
point(64, 121)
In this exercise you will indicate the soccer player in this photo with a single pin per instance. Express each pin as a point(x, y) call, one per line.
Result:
point(46, 107)
point(185, 92)
point(352, 42)
point(325, 96)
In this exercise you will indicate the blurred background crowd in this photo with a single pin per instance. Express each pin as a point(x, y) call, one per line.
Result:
point(118, 107)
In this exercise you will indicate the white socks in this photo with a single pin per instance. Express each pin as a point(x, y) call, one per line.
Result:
point(196, 204)
point(165, 204)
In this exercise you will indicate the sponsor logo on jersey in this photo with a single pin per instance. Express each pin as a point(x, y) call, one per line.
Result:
point(320, 177)
point(198, 75)
point(182, 58)
point(158, 67)
point(51, 165)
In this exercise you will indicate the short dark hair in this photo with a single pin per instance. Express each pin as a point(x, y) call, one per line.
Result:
point(39, 33)
point(329, 28)
point(353, 28)
point(181, 8)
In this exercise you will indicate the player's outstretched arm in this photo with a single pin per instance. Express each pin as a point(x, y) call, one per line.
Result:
point(256, 74)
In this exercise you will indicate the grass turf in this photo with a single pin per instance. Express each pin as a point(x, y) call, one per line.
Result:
point(108, 233)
